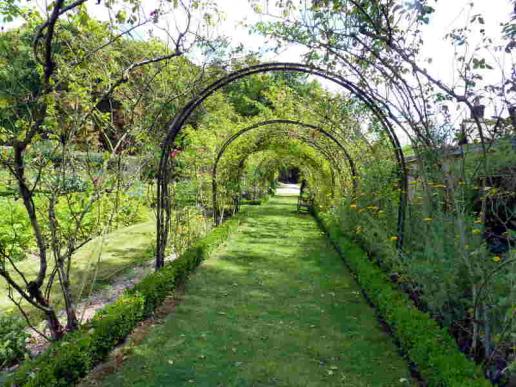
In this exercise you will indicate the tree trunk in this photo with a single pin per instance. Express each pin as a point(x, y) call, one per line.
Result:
point(71, 317)
point(55, 327)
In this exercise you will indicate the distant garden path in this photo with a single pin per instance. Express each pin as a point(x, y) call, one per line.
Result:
point(275, 306)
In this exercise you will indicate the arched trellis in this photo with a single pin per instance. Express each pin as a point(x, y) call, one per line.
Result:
point(175, 126)
point(243, 131)
point(324, 153)
point(328, 157)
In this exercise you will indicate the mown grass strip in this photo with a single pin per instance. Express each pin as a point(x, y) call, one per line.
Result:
point(275, 307)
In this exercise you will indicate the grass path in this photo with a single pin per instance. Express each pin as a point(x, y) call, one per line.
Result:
point(274, 307)
point(119, 251)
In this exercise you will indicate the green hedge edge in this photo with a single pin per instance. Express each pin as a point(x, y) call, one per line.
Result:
point(68, 360)
point(430, 347)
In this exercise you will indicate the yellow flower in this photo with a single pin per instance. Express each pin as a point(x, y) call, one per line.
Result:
point(496, 258)
point(353, 205)
point(393, 238)
point(427, 219)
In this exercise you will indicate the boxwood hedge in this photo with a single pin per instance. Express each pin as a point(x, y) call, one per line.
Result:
point(425, 343)
point(72, 357)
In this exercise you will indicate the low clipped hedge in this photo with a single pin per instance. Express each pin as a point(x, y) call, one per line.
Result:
point(71, 358)
point(426, 344)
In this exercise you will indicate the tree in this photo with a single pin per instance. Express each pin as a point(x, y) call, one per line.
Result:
point(66, 88)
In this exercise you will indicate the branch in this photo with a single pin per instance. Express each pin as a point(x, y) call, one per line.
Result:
point(27, 319)
point(58, 11)
point(15, 268)
point(26, 297)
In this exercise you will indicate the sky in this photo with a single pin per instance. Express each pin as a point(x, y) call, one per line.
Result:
point(237, 14)
point(448, 14)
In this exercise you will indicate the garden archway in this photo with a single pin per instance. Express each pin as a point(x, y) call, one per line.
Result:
point(305, 163)
point(332, 162)
point(261, 124)
point(176, 125)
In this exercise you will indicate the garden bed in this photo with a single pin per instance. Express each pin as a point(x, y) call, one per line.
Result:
point(71, 358)
point(428, 346)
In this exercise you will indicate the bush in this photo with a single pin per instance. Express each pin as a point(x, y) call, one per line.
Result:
point(15, 230)
point(458, 250)
point(12, 340)
point(187, 226)
point(71, 358)
point(113, 323)
point(255, 202)
point(427, 345)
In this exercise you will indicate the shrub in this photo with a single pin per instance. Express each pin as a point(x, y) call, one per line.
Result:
point(15, 230)
point(255, 202)
point(458, 247)
point(426, 344)
point(71, 358)
point(113, 323)
point(188, 225)
point(12, 340)
point(63, 364)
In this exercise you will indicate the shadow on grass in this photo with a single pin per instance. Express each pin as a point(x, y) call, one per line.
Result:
point(274, 307)
point(122, 250)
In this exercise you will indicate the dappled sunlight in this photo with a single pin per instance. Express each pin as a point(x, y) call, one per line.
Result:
point(258, 312)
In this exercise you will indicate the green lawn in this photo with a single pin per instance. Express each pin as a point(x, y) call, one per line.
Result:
point(275, 306)
point(115, 253)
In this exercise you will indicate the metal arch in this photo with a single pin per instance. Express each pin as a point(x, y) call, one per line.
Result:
point(325, 155)
point(241, 132)
point(236, 135)
point(175, 126)
point(329, 158)
point(333, 162)
point(324, 152)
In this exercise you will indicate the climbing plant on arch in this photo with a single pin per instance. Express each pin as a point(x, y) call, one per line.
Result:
point(305, 162)
point(269, 124)
point(379, 109)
